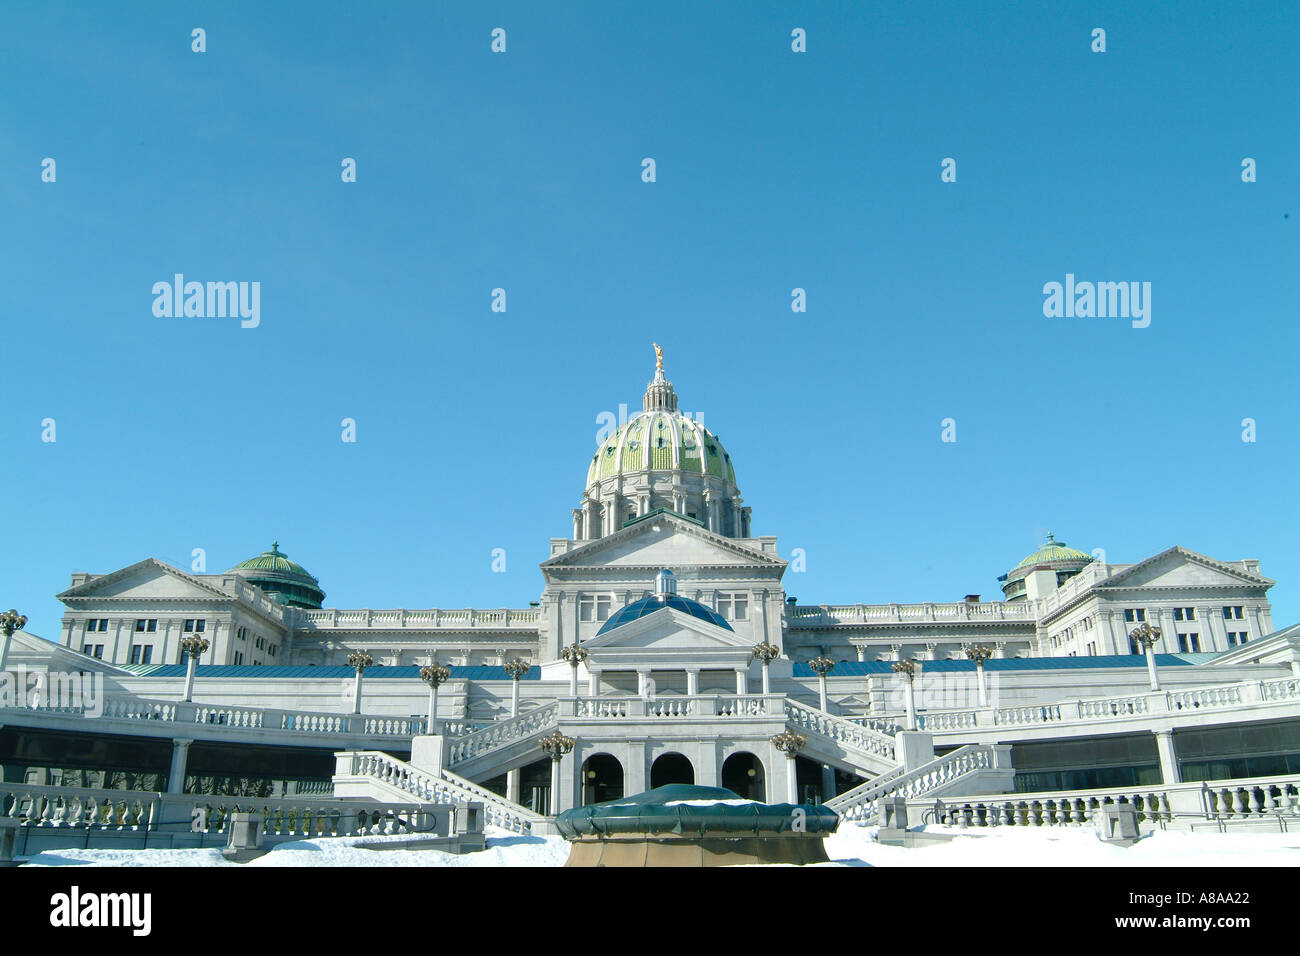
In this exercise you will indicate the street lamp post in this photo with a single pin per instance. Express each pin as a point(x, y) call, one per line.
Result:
point(1148, 637)
point(575, 654)
point(193, 645)
point(766, 653)
point(555, 745)
point(516, 669)
point(435, 675)
point(908, 670)
point(10, 621)
point(823, 666)
point(979, 654)
point(790, 743)
point(358, 661)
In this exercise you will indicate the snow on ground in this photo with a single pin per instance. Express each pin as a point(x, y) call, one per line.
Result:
point(1066, 846)
point(503, 849)
point(851, 846)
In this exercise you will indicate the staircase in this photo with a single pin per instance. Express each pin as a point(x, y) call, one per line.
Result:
point(977, 768)
point(388, 778)
point(835, 740)
point(490, 751)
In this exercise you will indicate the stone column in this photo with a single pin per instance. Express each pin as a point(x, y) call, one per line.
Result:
point(693, 684)
point(116, 656)
point(180, 756)
point(1168, 757)
point(862, 653)
point(741, 683)
point(828, 782)
point(512, 785)
point(1214, 637)
point(637, 772)
point(1168, 631)
point(593, 681)
point(577, 523)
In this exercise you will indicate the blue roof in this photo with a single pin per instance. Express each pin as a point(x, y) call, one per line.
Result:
point(407, 672)
point(872, 668)
point(657, 602)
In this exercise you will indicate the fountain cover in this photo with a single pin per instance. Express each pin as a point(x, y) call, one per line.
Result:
point(685, 809)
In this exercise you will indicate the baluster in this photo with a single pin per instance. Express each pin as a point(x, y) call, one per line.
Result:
point(1256, 804)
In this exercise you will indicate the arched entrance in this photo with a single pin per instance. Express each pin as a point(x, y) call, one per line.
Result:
point(602, 779)
point(671, 768)
point(742, 773)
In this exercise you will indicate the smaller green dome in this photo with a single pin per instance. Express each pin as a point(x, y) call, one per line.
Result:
point(273, 560)
point(287, 581)
point(1054, 552)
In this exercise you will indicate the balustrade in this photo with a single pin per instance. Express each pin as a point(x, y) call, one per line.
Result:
point(844, 732)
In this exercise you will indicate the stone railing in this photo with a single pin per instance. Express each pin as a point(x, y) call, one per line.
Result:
point(44, 806)
point(501, 734)
point(122, 707)
point(703, 707)
point(1161, 703)
point(829, 614)
point(445, 787)
point(459, 619)
point(863, 803)
point(850, 735)
point(301, 817)
point(1257, 798)
point(885, 725)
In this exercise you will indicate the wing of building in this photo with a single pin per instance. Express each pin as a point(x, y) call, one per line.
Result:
point(664, 647)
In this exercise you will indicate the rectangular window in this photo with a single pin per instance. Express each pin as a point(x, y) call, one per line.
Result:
point(734, 607)
point(98, 653)
point(242, 633)
point(1237, 637)
point(593, 607)
point(1135, 614)
point(1184, 614)
point(195, 625)
point(1233, 613)
point(141, 653)
point(239, 658)
point(142, 626)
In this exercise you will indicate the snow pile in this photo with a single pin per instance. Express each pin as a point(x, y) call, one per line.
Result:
point(852, 845)
point(503, 849)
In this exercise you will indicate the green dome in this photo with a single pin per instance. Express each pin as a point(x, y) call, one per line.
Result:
point(287, 581)
point(1054, 552)
point(660, 440)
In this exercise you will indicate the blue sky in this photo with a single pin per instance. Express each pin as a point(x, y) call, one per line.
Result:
point(522, 171)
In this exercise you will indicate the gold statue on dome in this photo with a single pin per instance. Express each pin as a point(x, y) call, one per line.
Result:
point(659, 356)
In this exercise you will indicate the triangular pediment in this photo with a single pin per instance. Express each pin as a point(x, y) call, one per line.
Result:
point(669, 628)
point(149, 578)
point(1181, 568)
point(665, 541)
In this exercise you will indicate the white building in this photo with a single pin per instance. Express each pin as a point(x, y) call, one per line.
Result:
point(667, 688)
